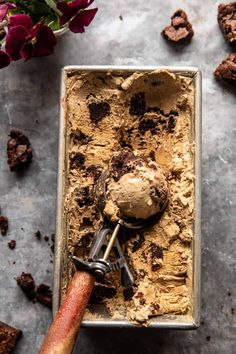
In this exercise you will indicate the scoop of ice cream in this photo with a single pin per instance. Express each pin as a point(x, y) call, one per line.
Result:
point(135, 187)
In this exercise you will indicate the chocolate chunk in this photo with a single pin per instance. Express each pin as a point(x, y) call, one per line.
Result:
point(77, 161)
point(44, 295)
point(128, 293)
point(99, 110)
point(2, 34)
point(227, 21)
point(137, 244)
point(3, 225)
point(100, 292)
point(83, 197)
point(12, 244)
point(8, 338)
point(26, 282)
point(226, 71)
point(147, 124)
point(38, 235)
point(180, 30)
point(18, 150)
point(138, 104)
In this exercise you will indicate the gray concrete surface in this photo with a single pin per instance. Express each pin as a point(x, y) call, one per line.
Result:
point(29, 100)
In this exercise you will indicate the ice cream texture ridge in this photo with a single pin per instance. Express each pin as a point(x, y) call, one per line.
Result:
point(137, 126)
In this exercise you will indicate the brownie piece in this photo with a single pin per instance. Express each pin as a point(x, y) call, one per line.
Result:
point(156, 253)
point(26, 282)
point(98, 109)
point(19, 150)
point(84, 197)
point(8, 338)
point(44, 295)
point(3, 225)
point(100, 292)
point(227, 21)
point(77, 161)
point(180, 30)
point(138, 104)
point(12, 244)
point(226, 71)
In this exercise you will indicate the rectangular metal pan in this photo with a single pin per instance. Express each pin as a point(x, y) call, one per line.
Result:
point(164, 321)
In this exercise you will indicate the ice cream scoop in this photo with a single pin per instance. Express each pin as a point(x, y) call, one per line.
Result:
point(135, 187)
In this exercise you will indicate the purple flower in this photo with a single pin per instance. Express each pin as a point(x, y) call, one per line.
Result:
point(4, 7)
point(24, 40)
point(75, 13)
point(4, 59)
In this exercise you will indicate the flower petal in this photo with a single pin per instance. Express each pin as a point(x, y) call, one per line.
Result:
point(80, 4)
point(20, 20)
point(45, 43)
point(15, 39)
point(83, 19)
point(3, 11)
point(36, 29)
point(67, 12)
point(4, 59)
point(26, 51)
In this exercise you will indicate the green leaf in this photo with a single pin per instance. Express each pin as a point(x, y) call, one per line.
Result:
point(53, 6)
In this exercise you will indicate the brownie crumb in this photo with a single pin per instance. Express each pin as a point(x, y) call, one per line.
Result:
point(46, 238)
point(53, 242)
point(128, 293)
point(19, 150)
point(171, 124)
point(138, 104)
point(137, 244)
point(208, 338)
point(84, 241)
point(229, 293)
point(121, 164)
point(140, 296)
point(8, 338)
point(99, 110)
point(156, 254)
point(232, 310)
point(38, 235)
point(26, 282)
point(77, 161)
point(226, 71)
point(226, 19)
point(84, 197)
point(121, 17)
point(100, 292)
point(12, 244)
point(152, 155)
point(44, 295)
point(3, 225)
point(180, 30)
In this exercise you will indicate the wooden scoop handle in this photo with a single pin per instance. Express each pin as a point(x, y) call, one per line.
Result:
point(63, 331)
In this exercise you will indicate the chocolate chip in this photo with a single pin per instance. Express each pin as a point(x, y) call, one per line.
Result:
point(99, 110)
point(3, 225)
point(18, 150)
point(84, 197)
point(180, 30)
point(12, 244)
point(138, 104)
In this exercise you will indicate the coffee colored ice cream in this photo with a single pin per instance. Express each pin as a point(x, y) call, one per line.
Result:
point(135, 187)
point(150, 114)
